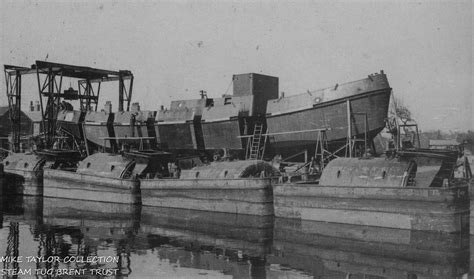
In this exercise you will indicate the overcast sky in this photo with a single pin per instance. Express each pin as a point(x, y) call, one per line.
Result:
point(177, 48)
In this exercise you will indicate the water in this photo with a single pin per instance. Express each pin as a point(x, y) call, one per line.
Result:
point(145, 242)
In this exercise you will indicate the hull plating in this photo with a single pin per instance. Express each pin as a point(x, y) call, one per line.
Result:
point(332, 115)
point(95, 132)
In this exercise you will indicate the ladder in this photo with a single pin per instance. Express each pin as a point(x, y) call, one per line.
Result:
point(256, 141)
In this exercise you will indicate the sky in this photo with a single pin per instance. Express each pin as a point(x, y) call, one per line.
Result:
point(177, 48)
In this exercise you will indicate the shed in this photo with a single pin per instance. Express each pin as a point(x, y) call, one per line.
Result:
point(6, 126)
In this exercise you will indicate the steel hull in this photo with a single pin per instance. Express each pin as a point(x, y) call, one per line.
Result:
point(96, 132)
point(179, 135)
point(331, 115)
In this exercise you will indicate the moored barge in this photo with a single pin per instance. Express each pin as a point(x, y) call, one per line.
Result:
point(23, 174)
point(414, 191)
point(242, 187)
point(99, 177)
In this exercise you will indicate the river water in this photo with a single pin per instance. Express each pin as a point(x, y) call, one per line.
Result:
point(59, 238)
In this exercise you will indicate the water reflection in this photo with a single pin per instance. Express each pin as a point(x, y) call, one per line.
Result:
point(171, 243)
point(342, 251)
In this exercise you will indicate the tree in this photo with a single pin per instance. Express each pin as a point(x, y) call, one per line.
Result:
point(400, 111)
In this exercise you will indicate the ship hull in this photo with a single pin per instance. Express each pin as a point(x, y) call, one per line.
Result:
point(71, 121)
point(331, 115)
point(223, 134)
point(187, 135)
point(96, 132)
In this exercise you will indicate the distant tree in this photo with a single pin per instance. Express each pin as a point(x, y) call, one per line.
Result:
point(400, 111)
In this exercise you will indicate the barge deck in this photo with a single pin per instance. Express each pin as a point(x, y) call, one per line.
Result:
point(392, 193)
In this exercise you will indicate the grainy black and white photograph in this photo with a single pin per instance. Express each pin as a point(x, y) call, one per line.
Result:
point(236, 139)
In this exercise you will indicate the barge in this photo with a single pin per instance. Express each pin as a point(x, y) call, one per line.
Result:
point(243, 187)
point(101, 177)
point(413, 191)
point(23, 174)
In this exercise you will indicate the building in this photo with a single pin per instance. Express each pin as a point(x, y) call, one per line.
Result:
point(31, 123)
point(444, 144)
point(36, 117)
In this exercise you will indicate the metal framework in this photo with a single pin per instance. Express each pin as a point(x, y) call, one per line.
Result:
point(414, 140)
point(50, 80)
point(13, 83)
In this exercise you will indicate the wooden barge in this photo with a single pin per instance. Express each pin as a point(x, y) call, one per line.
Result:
point(242, 187)
point(414, 191)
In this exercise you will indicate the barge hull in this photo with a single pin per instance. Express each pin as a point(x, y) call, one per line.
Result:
point(242, 196)
point(431, 209)
point(69, 185)
point(23, 182)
